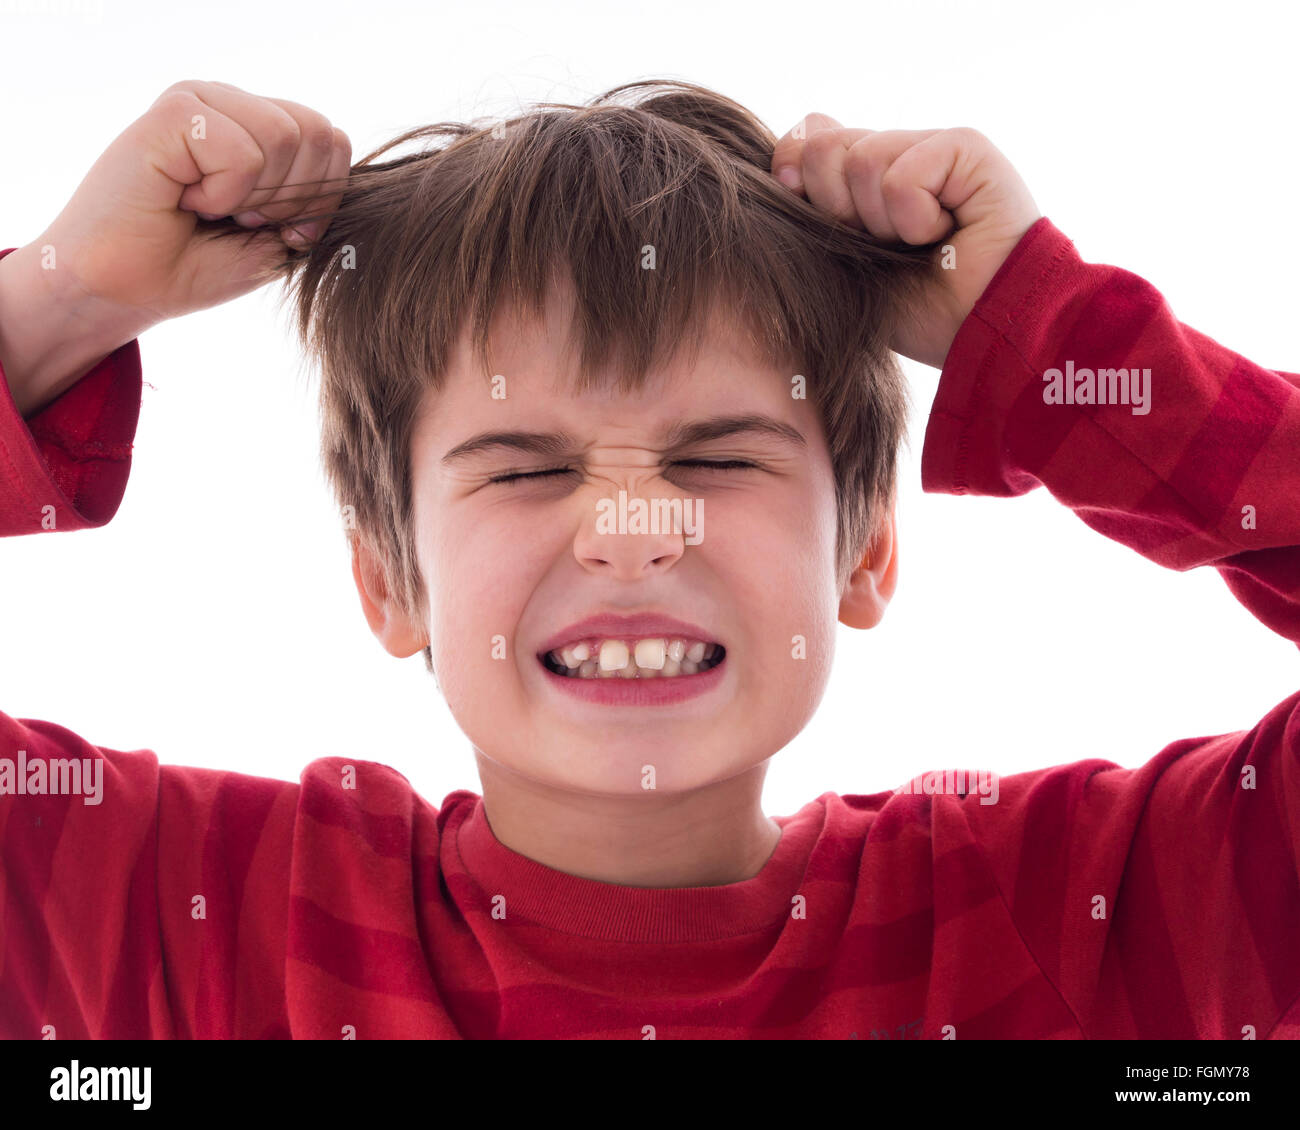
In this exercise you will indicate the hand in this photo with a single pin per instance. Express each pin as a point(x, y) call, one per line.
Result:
point(127, 251)
point(129, 233)
point(917, 186)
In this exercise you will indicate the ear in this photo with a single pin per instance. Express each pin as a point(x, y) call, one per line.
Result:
point(399, 634)
point(871, 585)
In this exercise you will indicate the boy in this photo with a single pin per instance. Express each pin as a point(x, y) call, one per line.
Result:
point(623, 682)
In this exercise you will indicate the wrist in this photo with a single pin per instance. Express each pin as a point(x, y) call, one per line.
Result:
point(51, 332)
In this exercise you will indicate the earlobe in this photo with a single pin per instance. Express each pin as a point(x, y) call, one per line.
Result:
point(871, 585)
point(384, 613)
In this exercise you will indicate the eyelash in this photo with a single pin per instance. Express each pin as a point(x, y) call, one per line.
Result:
point(722, 465)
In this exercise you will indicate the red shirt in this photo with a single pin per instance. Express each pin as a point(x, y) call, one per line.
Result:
point(328, 907)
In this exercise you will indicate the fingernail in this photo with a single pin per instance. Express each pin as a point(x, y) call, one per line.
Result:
point(250, 219)
point(789, 176)
point(302, 234)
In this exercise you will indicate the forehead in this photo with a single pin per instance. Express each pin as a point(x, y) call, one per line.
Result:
point(533, 378)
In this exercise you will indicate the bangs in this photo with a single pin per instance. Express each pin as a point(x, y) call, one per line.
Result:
point(652, 215)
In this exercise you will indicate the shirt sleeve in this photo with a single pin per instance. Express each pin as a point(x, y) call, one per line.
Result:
point(1162, 901)
point(81, 955)
point(138, 900)
point(79, 939)
point(96, 939)
point(65, 468)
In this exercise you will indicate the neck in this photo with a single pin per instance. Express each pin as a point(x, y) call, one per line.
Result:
point(707, 837)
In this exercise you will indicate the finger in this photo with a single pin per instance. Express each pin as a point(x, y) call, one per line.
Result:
point(302, 184)
point(823, 173)
point(211, 155)
point(917, 187)
point(788, 154)
point(276, 133)
point(336, 176)
point(970, 177)
point(864, 166)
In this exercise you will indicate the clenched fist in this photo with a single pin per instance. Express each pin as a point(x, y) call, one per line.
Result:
point(916, 186)
point(128, 250)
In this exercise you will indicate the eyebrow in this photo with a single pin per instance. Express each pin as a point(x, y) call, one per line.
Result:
point(561, 444)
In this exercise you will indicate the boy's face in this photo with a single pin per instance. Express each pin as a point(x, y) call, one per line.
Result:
point(508, 566)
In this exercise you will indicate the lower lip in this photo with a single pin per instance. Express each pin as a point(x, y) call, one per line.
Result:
point(618, 691)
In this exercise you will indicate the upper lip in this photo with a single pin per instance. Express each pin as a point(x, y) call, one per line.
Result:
point(646, 625)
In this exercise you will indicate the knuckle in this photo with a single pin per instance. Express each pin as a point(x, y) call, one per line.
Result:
point(823, 141)
point(320, 137)
point(864, 156)
point(815, 120)
point(894, 182)
point(175, 100)
point(968, 134)
point(286, 134)
point(246, 156)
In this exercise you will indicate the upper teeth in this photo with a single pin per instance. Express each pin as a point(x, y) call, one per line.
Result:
point(667, 654)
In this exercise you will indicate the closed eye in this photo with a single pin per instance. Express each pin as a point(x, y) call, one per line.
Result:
point(715, 465)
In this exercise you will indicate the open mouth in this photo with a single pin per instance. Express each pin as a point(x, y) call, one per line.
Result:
point(655, 657)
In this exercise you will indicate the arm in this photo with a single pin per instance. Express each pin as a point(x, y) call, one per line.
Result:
point(73, 452)
point(128, 252)
point(1195, 856)
point(1197, 853)
point(1207, 475)
point(96, 940)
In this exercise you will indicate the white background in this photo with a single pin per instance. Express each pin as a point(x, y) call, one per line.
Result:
point(214, 620)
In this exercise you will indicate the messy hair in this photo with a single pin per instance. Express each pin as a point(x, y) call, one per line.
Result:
point(490, 213)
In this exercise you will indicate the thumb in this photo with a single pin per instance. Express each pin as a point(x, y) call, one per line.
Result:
point(787, 157)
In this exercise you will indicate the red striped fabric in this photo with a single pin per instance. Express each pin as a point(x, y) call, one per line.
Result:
point(196, 903)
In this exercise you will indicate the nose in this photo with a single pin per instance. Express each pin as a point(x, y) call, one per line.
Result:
point(632, 526)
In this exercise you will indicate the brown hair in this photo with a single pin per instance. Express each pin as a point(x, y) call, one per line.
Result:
point(490, 212)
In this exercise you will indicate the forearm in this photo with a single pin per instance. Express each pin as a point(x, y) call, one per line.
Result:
point(50, 334)
point(1202, 473)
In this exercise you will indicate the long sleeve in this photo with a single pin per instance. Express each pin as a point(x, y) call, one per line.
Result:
point(136, 900)
point(1164, 900)
point(66, 467)
point(80, 952)
point(1206, 472)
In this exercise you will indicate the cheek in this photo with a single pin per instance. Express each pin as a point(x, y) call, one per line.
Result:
point(792, 617)
point(785, 549)
point(782, 588)
point(478, 579)
point(775, 565)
